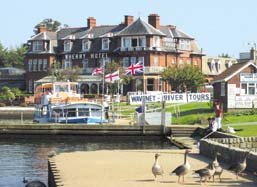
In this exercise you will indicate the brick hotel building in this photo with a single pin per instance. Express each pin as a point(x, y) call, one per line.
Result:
point(89, 47)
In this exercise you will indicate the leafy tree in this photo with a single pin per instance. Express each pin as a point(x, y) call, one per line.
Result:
point(57, 72)
point(51, 25)
point(15, 57)
point(7, 94)
point(16, 91)
point(72, 74)
point(188, 78)
point(3, 55)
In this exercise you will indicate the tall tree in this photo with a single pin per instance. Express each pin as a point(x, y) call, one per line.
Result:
point(188, 78)
point(51, 25)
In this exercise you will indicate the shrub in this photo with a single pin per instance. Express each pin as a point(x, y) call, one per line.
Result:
point(23, 104)
point(2, 104)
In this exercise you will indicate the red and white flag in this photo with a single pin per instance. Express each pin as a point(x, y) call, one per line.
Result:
point(112, 77)
point(97, 71)
point(133, 69)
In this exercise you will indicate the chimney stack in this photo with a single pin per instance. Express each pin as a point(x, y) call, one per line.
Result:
point(128, 20)
point(91, 22)
point(154, 20)
point(41, 28)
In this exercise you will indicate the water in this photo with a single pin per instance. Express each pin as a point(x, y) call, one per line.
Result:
point(26, 156)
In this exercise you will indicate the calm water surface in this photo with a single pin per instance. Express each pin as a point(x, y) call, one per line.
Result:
point(26, 156)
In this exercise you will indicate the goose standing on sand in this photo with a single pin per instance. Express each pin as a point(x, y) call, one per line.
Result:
point(206, 172)
point(157, 169)
point(217, 167)
point(183, 169)
point(239, 167)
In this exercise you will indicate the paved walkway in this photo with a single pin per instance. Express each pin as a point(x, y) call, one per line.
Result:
point(133, 169)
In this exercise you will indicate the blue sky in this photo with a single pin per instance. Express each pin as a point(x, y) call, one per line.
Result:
point(219, 26)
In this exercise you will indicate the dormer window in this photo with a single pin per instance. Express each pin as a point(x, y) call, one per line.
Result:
point(67, 45)
point(128, 42)
point(105, 44)
point(212, 65)
point(156, 41)
point(218, 65)
point(37, 45)
point(184, 44)
point(86, 44)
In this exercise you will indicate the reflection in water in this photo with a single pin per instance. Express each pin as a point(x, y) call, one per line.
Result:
point(27, 156)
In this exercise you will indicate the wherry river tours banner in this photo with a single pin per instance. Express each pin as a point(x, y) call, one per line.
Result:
point(135, 99)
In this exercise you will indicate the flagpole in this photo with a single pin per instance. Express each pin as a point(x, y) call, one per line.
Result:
point(103, 91)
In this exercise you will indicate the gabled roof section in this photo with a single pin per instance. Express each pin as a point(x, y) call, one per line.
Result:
point(139, 27)
point(48, 35)
point(232, 71)
point(171, 31)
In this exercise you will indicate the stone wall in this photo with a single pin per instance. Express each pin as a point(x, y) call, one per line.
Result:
point(228, 153)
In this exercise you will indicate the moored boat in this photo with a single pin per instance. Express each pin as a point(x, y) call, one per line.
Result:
point(60, 102)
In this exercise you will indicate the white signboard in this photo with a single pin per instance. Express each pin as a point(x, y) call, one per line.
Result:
point(170, 98)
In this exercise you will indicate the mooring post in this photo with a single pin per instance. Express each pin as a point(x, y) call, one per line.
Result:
point(143, 114)
point(21, 117)
point(163, 115)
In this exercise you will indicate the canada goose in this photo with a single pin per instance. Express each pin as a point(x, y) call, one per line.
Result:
point(157, 169)
point(183, 169)
point(206, 172)
point(239, 167)
point(217, 167)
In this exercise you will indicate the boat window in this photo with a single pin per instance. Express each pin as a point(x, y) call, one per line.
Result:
point(95, 112)
point(61, 88)
point(70, 112)
point(83, 112)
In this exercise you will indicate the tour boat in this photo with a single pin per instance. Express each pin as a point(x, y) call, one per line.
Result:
point(60, 102)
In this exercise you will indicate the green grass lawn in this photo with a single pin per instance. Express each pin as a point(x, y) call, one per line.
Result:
point(197, 113)
point(244, 130)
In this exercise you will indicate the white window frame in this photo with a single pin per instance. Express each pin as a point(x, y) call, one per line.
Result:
point(156, 61)
point(67, 45)
point(34, 64)
point(212, 65)
point(30, 65)
point(185, 44)
point(125, 62)
point(30, 86)
point(39, 63)
point(37, 45)
point(105, 43)
point(66, 64)
point(156, 41)
point(141, 59)
point(45, 64)
point(86, 45)
point(133, 60)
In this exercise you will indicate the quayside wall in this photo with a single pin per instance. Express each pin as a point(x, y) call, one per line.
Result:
point(232, 149)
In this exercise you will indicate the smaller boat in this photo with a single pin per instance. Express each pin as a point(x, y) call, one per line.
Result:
point(60, 102)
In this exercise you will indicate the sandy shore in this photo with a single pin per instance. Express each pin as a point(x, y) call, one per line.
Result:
point(133, 168)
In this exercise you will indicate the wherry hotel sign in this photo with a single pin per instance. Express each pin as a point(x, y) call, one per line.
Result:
point(169, 98)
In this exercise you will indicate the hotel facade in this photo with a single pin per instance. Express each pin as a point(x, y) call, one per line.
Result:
point(129, 42)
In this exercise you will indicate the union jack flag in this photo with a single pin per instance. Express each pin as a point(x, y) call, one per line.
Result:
point(97, 71)
point(133, 69)
point(112, 77)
